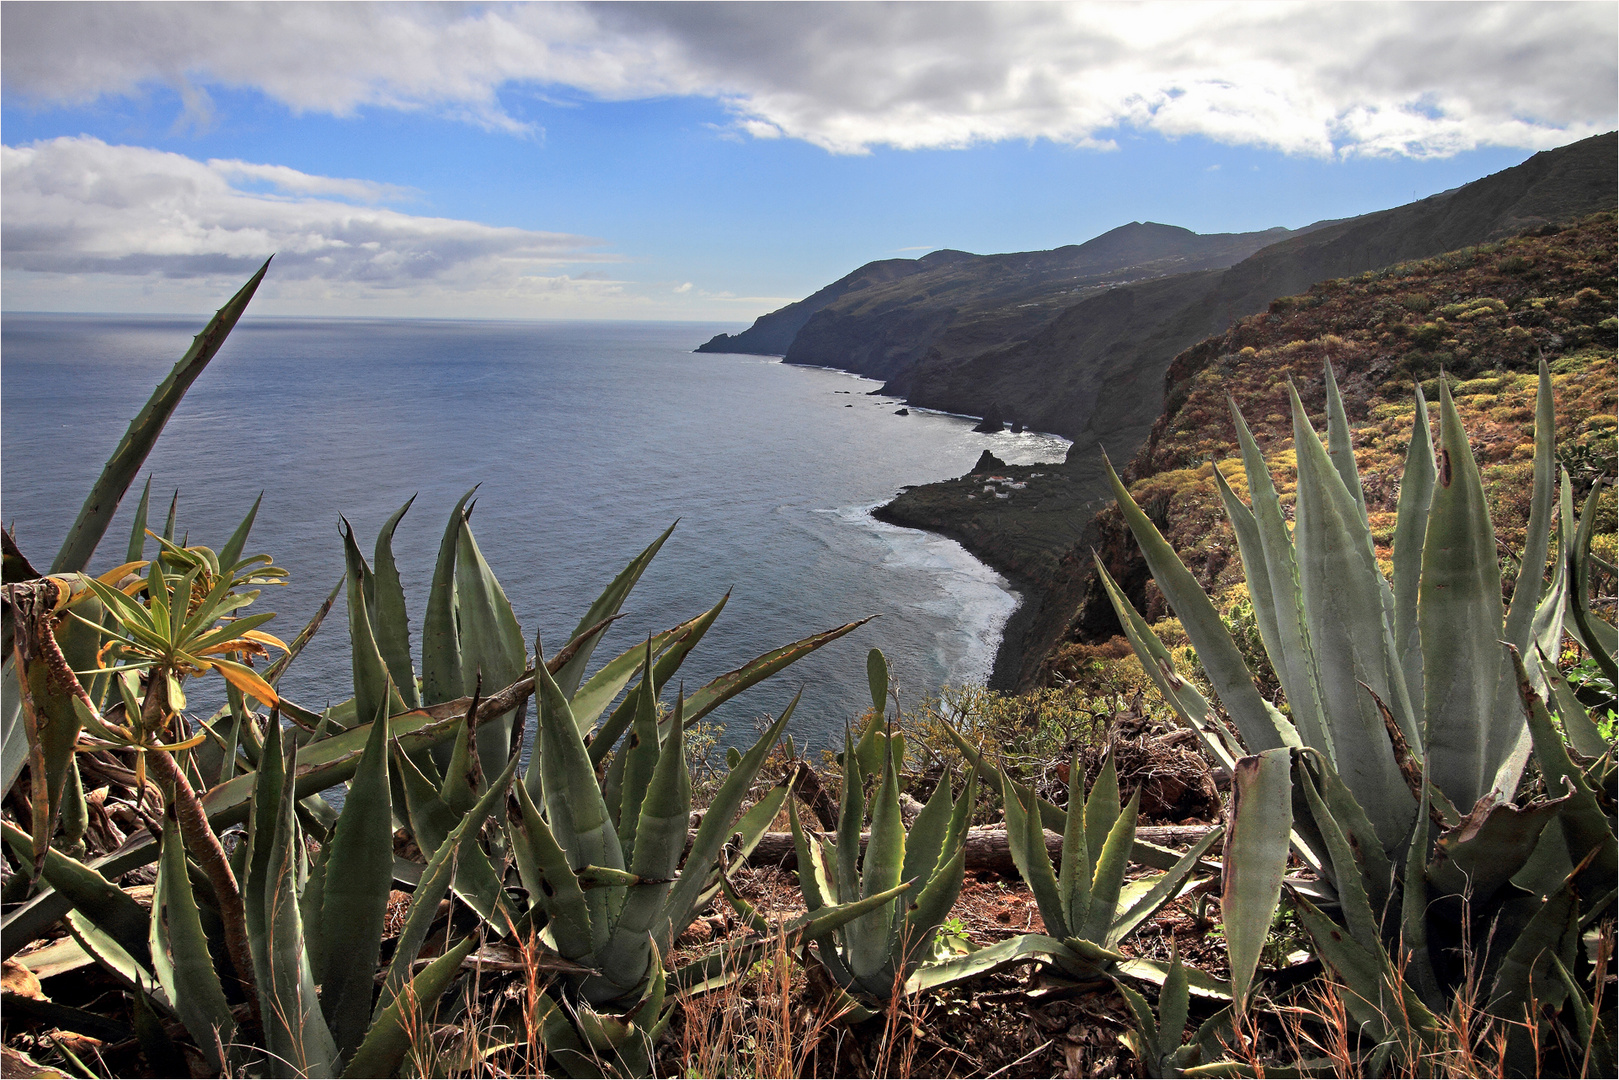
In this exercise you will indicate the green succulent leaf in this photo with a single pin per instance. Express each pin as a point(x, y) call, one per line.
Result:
point(108, 491)
point(1261, 725)
point(1255, 859)
point(355, 898)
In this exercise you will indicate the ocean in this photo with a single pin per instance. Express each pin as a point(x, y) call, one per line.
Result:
point(588, 438)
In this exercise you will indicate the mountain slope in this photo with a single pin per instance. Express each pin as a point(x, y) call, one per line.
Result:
point(1483, 316)
point(885, 316)
point(1092, 374)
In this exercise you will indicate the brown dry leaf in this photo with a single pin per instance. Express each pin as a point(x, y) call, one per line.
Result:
point(19, 980)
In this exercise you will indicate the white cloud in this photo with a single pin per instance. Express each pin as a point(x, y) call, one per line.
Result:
point(1310, 78)
point(81, 206)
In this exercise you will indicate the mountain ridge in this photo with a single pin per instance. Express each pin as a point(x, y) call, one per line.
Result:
point(891, 312)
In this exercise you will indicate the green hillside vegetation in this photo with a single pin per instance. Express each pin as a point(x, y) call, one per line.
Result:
point(1484, 316)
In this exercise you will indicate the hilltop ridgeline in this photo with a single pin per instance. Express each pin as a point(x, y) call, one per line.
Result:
point(888, 316)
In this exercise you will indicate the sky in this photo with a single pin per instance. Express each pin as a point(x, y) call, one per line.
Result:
point(716, 161)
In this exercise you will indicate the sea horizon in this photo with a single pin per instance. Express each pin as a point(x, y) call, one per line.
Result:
point(809, 451)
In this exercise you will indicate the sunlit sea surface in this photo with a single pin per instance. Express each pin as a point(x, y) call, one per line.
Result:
point(588, 440)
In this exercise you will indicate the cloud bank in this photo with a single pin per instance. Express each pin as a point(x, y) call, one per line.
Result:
point(1312, 78)
point(81, 206)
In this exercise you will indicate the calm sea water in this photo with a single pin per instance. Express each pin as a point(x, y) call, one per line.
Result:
point(588, 440)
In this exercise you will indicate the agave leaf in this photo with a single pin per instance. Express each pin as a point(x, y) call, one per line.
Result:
point(660, 836)
point(1493, 842)
point(1583, 735)
point(1546, 629)
point(1374, 999)
point(114, 959)
point(1112, 862)
point(434, 884)
point(1255, 859)
point(179, 951)
point(296, 1034)
point(591, 700)
point(1587, 1021)
point(720, 690)
point(1595, 635)
point(992, 958)
point(1075, 870)
point(924, 917)
point(491, 642)
point(272, 674)
point(1190, 707)
point(385, 604)
point(1410, 533)
point(606, 606)
point(355, 899)
point(1262, 727)
point(1341, 450)
point(1586, 826)
point(851, 815)
point(374, 693)
point(868, 938)
point(441, 641)
point(640, 756)
point(1461, 616)
point(1351, 888)
point(126, 460)
point(877, 677)
point(1377, 871)
point(1162, 891)
point(573, 801)
point(433, 820)
point(813, 880)
point(101, 902)
point(551, 883)
point(1027, 842)
point(925, 842)
point(390, 1038)
point(1527, 973)
point(1342, 593)
point(137, 530)
point(1102, 809)
point(1276, 563)
point(684, 898)
point(267, 782)
point(1526, 590)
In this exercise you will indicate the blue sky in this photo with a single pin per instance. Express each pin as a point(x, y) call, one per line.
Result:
point(702, 162)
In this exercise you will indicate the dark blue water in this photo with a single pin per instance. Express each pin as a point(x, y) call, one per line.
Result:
point(588, 439)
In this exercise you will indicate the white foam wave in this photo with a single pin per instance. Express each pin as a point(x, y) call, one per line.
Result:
point(966, 602)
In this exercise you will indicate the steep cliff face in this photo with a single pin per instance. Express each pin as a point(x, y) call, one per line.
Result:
point(1094, 372)
point(960, 308)
point(772, 334)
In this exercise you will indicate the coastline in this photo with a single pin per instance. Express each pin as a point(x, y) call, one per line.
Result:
point(1036, 534)
point(1028, 554)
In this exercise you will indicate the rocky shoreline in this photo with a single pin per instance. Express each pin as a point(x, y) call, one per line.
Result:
point(1030, 524)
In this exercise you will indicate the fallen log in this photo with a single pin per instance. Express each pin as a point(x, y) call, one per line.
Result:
point(987, 849)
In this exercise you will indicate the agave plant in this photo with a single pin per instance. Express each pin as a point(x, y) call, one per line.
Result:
point(1086, 904)
point(1157, 1040)
point(1394, 777)
point(912, 876)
